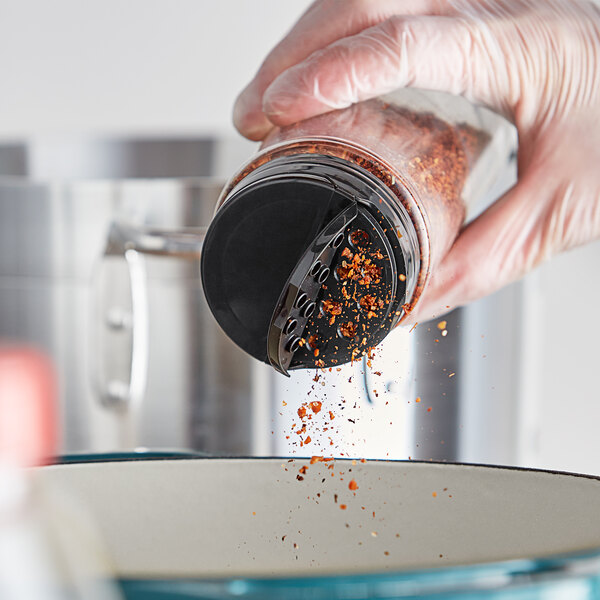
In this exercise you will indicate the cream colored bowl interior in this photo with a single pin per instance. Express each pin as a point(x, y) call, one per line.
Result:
point(208, 518)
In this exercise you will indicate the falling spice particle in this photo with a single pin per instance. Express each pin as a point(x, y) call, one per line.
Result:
point(442, 325)
point(315, 406)
point(353, 485)
point(418, 399)
point(343, 506)
point(386, 553)
point(332, 307)
point(434, 494)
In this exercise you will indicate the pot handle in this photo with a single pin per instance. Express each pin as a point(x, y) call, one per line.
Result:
point(120, 320)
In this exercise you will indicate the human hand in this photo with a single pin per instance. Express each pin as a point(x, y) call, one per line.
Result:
point(535, 61)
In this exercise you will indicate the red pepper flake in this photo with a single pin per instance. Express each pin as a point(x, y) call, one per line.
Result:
point(353, 485)
point(402, 277)
point(331, 416)
point(302, 412)
point(363, 460)
point(359, 237)
point(303, 470)
point(418, 399)
point(344, 272)
point(316, 459)
point(343, 506)
point(434, 494)
point(332, 308)
point(307, 440)
point(429, 409)
point(371, 303)
point(348, 329)
point(315, 406)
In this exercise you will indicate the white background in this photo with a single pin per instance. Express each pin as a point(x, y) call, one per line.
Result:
point(131, 66)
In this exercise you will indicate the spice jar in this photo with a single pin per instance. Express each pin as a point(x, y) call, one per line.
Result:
point(326, 239)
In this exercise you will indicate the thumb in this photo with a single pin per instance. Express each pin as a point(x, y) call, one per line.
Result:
point(432, 52)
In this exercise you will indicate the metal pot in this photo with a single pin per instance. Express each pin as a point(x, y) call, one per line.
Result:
point(256, 528)
point(99, 266)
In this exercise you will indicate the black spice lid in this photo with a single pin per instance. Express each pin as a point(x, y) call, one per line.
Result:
point(300, 273)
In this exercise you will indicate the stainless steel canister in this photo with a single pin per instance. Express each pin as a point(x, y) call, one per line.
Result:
point(102, 272)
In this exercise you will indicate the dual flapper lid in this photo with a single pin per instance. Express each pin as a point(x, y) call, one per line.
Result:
point(300, 273)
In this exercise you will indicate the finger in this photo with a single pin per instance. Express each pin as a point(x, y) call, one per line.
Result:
point(509, 239)
point(322, 24)
point(432, 52)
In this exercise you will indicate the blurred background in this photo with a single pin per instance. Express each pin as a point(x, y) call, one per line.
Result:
point(115, 139)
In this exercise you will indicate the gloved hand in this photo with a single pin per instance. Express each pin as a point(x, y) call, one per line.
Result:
point(535, 61)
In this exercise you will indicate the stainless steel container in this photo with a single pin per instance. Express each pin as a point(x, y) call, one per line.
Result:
point(103, 274)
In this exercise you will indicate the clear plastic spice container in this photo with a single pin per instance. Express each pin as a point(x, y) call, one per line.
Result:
point(326, 240)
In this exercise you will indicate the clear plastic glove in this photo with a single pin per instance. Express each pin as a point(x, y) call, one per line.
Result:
point(535, 61)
